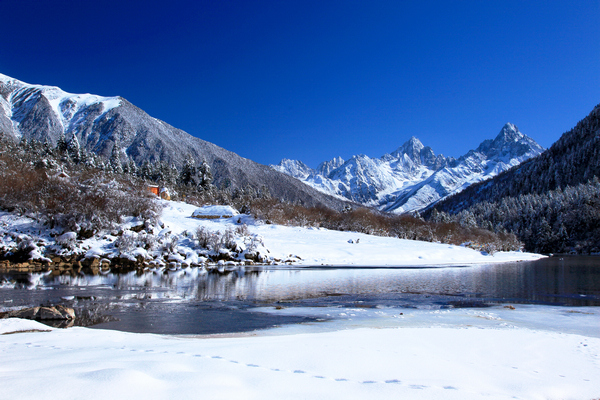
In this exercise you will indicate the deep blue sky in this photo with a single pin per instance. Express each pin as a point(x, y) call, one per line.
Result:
point(312, 80)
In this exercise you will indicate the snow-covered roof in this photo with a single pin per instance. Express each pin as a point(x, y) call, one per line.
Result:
point(215, 212)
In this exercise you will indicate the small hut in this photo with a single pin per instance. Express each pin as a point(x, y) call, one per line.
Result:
point(164, 194)
point(153, 189)
point(161, 192)
point(215, 212)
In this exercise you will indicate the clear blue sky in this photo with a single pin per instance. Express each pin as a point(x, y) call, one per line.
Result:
point(312, 80)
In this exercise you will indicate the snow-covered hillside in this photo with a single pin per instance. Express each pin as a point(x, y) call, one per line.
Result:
point(70, 109)
point(99, 124)
point(413, 177)
point(179, 240)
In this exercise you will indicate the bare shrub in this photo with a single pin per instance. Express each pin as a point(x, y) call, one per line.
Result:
point(242, 230)
point(228, 239)
point(85, 198)
point(125, 242)
point(203, 237)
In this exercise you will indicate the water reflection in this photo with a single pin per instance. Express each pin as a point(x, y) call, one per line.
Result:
point(216, 301)
point(569, 280)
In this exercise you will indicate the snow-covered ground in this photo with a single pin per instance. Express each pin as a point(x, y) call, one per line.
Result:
point(496, 353)
point(318, 246)
point(531, 352)
point(175, 240)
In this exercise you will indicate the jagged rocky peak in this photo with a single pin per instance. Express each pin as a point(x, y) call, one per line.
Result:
point(412, 148)
point(294, 168)
point(326, 167)
point(509, 132)
point(510, 142)
point(420, 154)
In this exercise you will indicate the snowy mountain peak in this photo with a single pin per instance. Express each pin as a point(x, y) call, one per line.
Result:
point(412, 148)
point(509, 132)
point(63, 111)
point(510, 144)
point(326, 167)
point(294, 168)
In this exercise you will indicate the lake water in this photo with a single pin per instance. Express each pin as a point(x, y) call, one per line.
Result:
point(194, 301)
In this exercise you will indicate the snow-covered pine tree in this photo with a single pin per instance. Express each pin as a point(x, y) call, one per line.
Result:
point(132, 167)
point(61, 145)
point(205, 174)
point(145, 171)
point(74, 150)
point(189, 173)
point(115, 159)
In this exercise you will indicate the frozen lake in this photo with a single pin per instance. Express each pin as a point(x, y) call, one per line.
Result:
point(193, 301)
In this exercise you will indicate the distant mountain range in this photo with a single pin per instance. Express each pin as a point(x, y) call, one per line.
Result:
point(412, 177)
point(45, 113)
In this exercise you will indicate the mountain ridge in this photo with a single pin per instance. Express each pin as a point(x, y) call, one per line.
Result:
point(44, 113)
point(550, 202)
point(413, 177)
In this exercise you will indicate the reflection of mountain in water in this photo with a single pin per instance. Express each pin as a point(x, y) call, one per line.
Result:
point(194, 301)
point(553, 280)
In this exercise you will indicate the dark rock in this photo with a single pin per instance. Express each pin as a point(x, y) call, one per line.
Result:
point(59, 312)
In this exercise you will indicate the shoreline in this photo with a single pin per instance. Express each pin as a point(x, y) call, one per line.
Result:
point(78, 264)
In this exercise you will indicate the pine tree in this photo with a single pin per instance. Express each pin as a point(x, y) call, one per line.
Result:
point(74, 150)
point(132, 167)
point(145, 172)
point(115, 160)
point(61, 145)
point(206, 176)
point(189, 173)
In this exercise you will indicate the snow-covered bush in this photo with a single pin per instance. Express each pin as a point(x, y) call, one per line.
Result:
point(129, 241)
point(242, 230)
point(203, 237)
point(171, 244)
point(67, 240)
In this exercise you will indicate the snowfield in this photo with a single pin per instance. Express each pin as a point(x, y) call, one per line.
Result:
point(452, 354)
point(318, 246)
point(173, 243)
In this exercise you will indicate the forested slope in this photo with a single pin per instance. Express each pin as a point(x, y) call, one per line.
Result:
point(552, 202)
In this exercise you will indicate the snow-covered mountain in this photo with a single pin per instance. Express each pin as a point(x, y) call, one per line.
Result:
point(412, 177)
point(99, 123)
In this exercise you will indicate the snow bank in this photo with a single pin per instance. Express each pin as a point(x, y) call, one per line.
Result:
point(14, 325)
point(413, 362)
